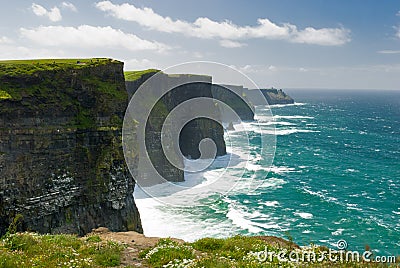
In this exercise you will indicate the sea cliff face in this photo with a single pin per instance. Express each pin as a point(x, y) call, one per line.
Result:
point(192, 133)
point(235, 98)
point(61, 162)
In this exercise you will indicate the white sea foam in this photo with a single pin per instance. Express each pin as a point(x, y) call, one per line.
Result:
point(239, 219)
point(287, 105)
point(293, 117)
point(270, 203)
point(351, 170)
point(273, 183)
point(323, 196)
point(353, 207)
point(160, 221)
point(337, 232)
point(304, 215)
point(282, 123)
point(284, 132)
point(281, 169)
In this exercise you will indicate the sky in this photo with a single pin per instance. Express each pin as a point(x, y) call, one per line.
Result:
point(346, 44)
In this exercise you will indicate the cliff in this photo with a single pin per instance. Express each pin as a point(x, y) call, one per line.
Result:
point(242, 100)
point(235, 98)
point(183, 88)
point(61, 161)
point(273, 96)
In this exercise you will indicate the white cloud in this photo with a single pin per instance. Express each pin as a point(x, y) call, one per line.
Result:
point(70, 6)
point(398, 32)
point(225, 30)
point(53, 14)
point(5, 40)
point(398, 13)
point(388, 51)
point(135, 64)
point(325, 36)
point(86, 36)
point(231, 44)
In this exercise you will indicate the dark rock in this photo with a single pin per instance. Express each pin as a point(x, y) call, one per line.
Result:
point(61, 160)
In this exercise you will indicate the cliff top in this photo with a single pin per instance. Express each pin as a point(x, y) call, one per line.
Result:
point(35, 77)
point(81, 89)
point(135, 75)
point(15, 68)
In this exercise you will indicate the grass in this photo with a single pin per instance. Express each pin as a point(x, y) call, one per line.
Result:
point(135, 75)
point(238, 251)
point(4, 95)
point(33, 250)
point(62, 85)
point(27, 67)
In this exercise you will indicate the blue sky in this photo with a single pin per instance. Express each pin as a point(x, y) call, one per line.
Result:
point(351, 44)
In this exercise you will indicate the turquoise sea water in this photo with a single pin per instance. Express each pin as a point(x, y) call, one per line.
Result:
point(335, 175)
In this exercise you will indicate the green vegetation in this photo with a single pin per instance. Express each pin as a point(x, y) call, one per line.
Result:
point(4, 95)
point(167, 251)
point(240, 251)
point(33, 250)
point(25, 78)
point(27, 67)
point(135, 75)
point(65, 86)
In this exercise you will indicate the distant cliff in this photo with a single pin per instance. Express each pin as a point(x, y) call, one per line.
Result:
point(61, 161)
point(272, 96)
point(242, 100)
point(235, 98)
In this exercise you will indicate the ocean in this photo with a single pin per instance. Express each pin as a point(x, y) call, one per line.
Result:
point(335, 176)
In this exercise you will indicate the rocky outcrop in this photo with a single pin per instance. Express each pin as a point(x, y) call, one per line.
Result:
point(273, 96)
point(61, 162)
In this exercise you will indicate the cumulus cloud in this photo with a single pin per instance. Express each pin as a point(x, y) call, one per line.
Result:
point(53, 14)
point(325, 36)
point(231, 44)
point(70, 6)
point(86, 36)
point(226, 30)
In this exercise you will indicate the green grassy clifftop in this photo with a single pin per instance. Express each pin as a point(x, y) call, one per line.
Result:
point(80, 88)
